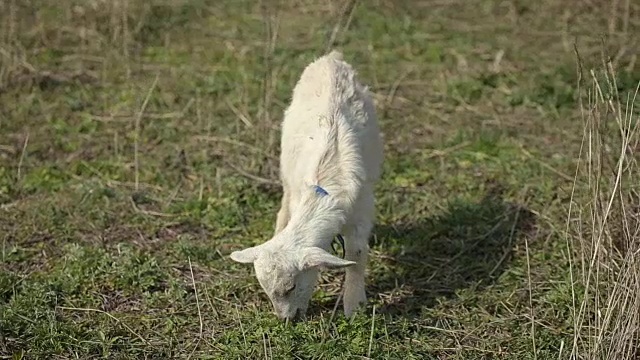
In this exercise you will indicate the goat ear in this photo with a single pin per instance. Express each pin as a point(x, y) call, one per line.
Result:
point(245, 256)
point(314, 257)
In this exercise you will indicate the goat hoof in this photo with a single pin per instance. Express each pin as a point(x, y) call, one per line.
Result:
point(354, 301)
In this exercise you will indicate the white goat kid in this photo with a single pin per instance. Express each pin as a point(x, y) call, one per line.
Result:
point(331, 158)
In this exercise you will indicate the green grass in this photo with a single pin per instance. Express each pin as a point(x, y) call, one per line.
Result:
point(115, 226)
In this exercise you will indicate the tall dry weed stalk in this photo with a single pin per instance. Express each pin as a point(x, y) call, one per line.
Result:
point(604, 223)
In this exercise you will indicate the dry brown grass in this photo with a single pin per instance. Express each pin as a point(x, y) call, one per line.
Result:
point(604, 224)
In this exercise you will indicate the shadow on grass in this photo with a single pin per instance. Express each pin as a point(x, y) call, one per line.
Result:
point(467, 247)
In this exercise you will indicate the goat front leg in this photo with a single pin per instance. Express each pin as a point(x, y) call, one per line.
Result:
point(284, 213)
point(357, 250)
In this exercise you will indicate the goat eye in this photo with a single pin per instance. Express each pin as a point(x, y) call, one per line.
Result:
point(290, 290)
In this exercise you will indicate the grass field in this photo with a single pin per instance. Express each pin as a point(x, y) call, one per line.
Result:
point(139, 144)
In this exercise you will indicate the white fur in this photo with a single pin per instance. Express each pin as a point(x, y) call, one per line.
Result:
point(330, 138)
